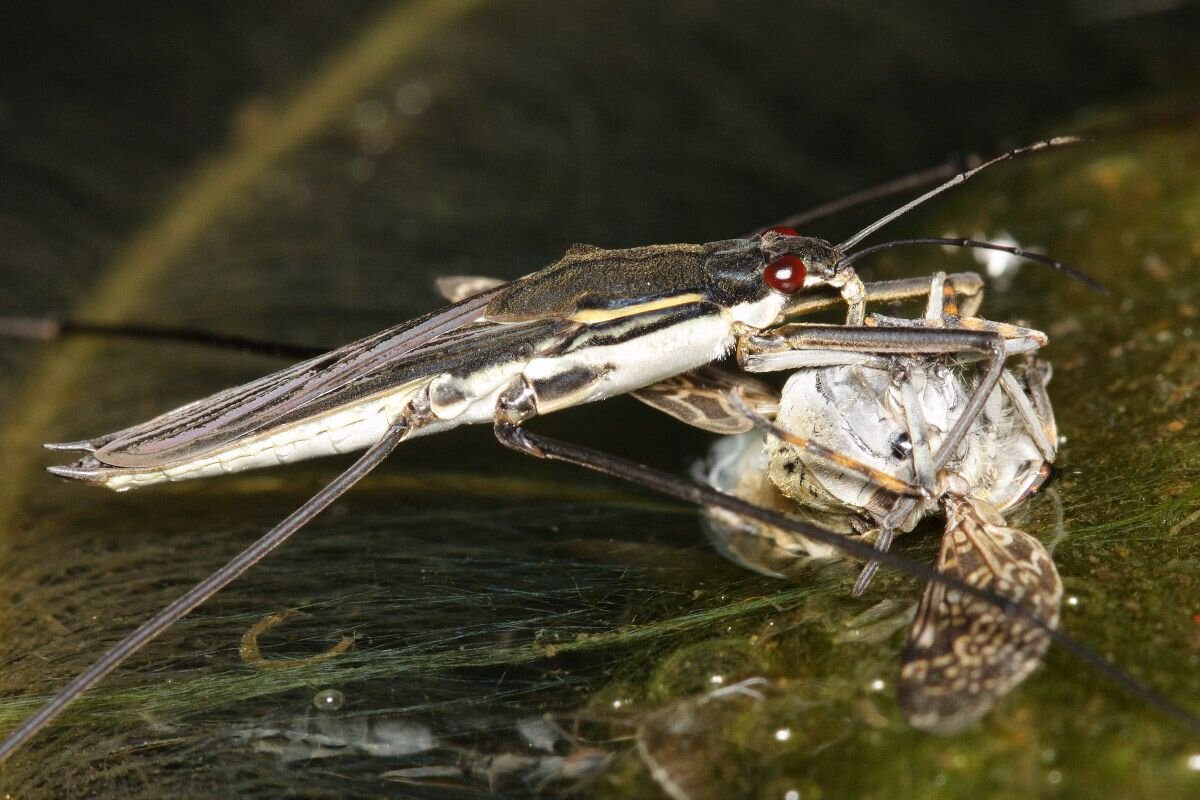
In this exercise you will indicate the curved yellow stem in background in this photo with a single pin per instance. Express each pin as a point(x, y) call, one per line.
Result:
point(393, 38)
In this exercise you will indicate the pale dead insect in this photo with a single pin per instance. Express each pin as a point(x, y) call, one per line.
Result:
point(861, 443)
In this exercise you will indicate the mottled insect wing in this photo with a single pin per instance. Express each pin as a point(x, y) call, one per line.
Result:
point(964, 654)
point(700, 398)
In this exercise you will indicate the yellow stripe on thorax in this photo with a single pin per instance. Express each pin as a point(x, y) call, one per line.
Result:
point(590, 315)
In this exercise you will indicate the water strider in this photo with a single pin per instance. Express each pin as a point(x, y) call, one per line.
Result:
point(594, 324)
point(859, 444)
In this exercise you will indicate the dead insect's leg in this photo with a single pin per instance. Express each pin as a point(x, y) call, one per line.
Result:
point(415, 414)
point(944, 298)
point(921, 456)
point(958, 293)
point(841, 460)
point(1034, 408)
point(1040, 428)
point(917, 430)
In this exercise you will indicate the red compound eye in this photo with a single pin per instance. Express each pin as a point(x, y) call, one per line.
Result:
point(785, 274)
point(783, 230)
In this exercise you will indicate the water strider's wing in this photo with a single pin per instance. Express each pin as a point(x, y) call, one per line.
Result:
point(216, 421)
point(964, 654)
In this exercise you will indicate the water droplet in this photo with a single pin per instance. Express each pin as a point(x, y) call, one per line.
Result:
point(328, 700)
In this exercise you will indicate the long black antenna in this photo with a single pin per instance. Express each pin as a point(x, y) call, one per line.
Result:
point(1074, 272)
point(1058, 141)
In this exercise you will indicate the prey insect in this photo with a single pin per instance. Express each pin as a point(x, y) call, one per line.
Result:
point(861, 444)
point(594, 324)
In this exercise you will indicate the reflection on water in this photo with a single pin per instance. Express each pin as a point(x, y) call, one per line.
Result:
point(533, 753)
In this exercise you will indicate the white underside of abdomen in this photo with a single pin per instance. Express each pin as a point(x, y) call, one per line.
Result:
point(626, 365)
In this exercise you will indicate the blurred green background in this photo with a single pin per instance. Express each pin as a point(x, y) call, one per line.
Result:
point(302, 172)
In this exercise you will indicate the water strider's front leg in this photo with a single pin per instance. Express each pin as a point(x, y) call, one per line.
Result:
point(967, 287)
point(702, 397)
point(814, 345)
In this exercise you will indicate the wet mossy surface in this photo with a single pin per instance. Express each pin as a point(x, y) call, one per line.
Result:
point(482, 588)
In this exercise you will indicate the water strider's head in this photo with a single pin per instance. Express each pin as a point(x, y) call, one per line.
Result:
point(798, 265)
point(795, 265)
point(757, 278)
point(794, 262)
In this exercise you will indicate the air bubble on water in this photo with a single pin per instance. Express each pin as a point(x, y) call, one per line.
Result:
point(328, 700)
